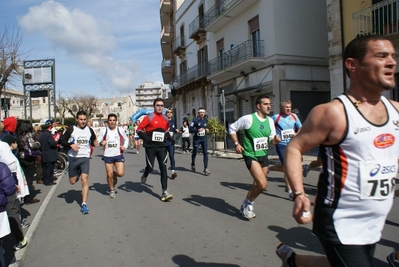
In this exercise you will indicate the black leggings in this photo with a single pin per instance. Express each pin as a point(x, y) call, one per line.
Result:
point(340, 255)
point(186, 140)
point(161, 154)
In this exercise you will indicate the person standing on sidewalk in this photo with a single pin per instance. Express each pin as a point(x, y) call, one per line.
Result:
point(171, 142)
point(358, 134)
point(287, 126)
point(78, 139)
point(199, 130)
point(259, 131)
point(154, 130)
point(48, 147)
point(114, 141)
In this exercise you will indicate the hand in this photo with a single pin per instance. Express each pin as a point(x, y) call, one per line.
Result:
point(75, 147)
point(301, 206)
point(276, 139)
point(123, 148)
point(239, 149)
point(18, 188)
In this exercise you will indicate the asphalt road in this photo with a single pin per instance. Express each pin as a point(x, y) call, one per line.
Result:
point(200, 227)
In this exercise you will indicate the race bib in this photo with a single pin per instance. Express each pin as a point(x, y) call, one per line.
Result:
point(287, 134)
point(112, 144)
point(377, 178)
point(158, 136)
point(202, 133)
point(260, 143)
point(82, 140)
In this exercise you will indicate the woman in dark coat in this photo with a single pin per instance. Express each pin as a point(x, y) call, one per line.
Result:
point(49, 149)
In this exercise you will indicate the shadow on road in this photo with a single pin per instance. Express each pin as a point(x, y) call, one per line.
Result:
point(186, 261)
point(129, 186)
point(216, 204)
point(72, 196)
point(100, 188)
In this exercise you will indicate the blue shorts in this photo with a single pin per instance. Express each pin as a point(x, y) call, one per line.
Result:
point(137, 138)
point(114, 159)
point(78, 166)
point(280, 149)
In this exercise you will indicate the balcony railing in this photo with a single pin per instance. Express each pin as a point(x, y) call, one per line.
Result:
point(192, 74)
point(167, 62)
point(381, 18)
point(247, 50)
point(196, 27)
point(217, 10)
point(178, 44)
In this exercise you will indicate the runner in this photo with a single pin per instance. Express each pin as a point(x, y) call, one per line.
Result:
point(154, 130)
point(137, 139)
point(287, 126)
point(115, 142)
point(259, 131)
point(358, 133)
point(171, 143)
point(199, 130)
point(78, 139)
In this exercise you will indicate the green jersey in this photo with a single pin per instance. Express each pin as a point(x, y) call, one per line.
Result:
point(257, 137)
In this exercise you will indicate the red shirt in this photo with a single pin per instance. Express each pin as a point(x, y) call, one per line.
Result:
point(158, 121)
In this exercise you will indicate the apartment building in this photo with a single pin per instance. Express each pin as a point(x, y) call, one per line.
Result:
point(146, 94)
point(244, 48)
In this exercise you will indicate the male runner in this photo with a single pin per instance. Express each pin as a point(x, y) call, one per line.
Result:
point(154, 130)
point(199, 130)
point(78, 139)
point(115, 142)
point(171, 143)
point(259, 131)
point(358, 133)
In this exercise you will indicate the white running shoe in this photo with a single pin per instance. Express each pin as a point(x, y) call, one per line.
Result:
point(284, 252)
point(112, 194)
point(247, 210)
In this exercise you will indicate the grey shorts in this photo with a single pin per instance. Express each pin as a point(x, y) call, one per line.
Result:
point(78, 166)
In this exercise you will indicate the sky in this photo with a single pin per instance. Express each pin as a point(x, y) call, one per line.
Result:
point(103, 48)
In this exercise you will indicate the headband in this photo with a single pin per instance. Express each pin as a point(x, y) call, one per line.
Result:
point(201, 110)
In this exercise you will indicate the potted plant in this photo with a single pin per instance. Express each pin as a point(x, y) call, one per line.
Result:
point(217, 130)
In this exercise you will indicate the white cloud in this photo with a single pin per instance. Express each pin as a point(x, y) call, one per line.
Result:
point(91, 41)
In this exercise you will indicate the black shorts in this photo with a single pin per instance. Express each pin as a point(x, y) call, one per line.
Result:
point(263, 161)
point(340, 255)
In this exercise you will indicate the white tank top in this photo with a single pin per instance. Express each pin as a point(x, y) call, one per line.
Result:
point(82, 138)
point(356, 185)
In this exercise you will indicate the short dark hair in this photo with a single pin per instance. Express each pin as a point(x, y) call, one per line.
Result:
point(357, 48)
point(81, 112)
point(157, 100)
point(258, 100)
point(112, 115)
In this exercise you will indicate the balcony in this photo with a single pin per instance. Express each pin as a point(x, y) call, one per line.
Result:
point(244, 57)
point(221, 13)
point(167, 65)
point(179, 47)
point(192, 76)
point(166, 19)
point(381, 18)
point(196, 29)
point(166, 6)
point(167, 34)
point(166, 49)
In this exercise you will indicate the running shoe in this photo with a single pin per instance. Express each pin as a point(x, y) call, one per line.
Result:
point(291, 196)
point(206, 172)
point(247, 210)
point(284, 252)
point(174, 175)
point(24, 224)
point(166, 196)
point(21, 244)
point(391, 258)
point(112, 194)
point(143, 179)
point(192, 168)
point(84, 209)
point(305, 170)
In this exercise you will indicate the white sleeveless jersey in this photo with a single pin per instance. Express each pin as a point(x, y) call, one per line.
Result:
point(114, 141)
point(82, 138)
point(356, 185)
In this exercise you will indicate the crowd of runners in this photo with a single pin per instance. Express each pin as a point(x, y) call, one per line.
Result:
point(357, 136)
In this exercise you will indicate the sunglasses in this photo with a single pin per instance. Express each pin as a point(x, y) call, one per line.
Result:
point(168, 111)
point(159, 105)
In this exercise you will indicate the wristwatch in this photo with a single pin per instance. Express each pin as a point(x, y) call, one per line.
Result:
point(299, 193)
point(236, 143)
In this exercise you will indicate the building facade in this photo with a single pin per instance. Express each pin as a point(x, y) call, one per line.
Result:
point(146, 94)
point(244, 48)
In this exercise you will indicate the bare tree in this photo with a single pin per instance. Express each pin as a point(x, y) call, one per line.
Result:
point(10, 56)
point(86, 103)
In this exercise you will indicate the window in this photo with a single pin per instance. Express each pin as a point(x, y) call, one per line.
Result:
point(255, 36)
point(182, 35)
point(202, 57)
point(220, 52)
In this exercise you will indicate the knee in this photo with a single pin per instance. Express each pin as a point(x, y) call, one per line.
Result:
point(261, 185)
point(119, 173)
